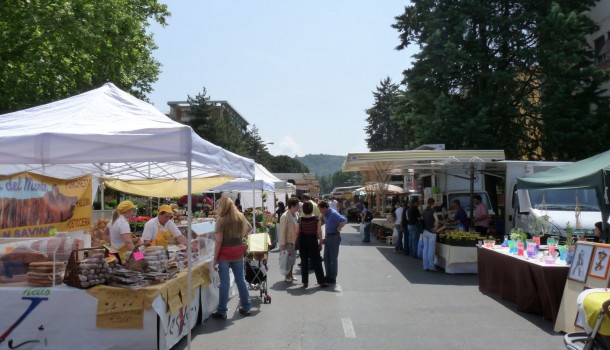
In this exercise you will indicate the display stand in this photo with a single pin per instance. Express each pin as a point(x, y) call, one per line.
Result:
point(568, 309)
point(455, 259)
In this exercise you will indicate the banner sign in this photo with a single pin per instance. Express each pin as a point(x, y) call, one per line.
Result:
point(31, 205)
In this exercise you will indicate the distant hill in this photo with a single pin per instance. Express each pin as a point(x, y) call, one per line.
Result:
point(322, 164)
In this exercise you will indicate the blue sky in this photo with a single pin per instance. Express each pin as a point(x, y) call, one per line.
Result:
point(302, 72)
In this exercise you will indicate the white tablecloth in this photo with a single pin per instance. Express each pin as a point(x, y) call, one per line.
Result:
point(456, 259)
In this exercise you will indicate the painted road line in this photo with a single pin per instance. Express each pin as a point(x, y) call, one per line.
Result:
point(348, 328)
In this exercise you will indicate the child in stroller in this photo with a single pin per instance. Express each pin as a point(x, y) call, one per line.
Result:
point(594, 317)
point(256, 274)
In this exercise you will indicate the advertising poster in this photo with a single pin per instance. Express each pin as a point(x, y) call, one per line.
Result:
point(31, 205)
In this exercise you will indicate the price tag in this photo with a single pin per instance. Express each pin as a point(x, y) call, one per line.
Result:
point(138, 256)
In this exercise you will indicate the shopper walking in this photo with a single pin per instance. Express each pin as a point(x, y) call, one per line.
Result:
point(366, 217)
point(333, 222)
point(397, 215)
point(413, 223)
point(430, 225)
point(310, 236)
point(231, 228)
point(289, 228)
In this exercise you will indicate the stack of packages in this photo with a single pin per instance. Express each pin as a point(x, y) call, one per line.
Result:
point(156, 258)
point(127, 279)
point(94, 270)
point(179, 259)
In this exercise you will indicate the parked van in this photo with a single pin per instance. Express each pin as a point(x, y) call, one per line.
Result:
point(524, 206)
point(559, 205)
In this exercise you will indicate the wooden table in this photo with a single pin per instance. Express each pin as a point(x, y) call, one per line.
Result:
point(535, 287)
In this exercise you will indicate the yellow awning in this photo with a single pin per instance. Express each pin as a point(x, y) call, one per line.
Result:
point(166, 187)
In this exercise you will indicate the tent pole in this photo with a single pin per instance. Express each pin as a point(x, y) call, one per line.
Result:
point(254, 205)
point(188, 251)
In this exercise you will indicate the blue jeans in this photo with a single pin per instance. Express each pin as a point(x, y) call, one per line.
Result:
point(331, 256)
point(429, 245)
point(405, 240)
point(237, 266)
point(413, 240)
point(398, 243)
point(367, 232)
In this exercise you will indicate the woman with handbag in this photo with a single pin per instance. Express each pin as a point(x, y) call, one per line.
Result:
point(231, 228)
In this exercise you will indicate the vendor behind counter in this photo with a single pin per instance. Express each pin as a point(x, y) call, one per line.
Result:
point(160, 230)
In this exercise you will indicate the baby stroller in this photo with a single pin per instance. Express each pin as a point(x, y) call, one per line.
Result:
point(594, 317)
point(256, 264)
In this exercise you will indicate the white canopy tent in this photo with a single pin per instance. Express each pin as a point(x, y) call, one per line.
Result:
point(251, 195)
point(110, 134)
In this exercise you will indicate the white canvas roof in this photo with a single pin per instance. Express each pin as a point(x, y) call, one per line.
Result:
point(110, 133)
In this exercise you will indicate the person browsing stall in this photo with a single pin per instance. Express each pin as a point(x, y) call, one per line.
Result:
point(481, 215)
point(118, 229)
point(334, 223)
point(430, 226)
point(160, 230)
point(460, 218)
point(231, 228)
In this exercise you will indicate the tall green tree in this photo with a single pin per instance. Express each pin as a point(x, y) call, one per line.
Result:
point(218, 128)
point(285, 164)
point(497, 74)
point(383, 133)
point(52, 49)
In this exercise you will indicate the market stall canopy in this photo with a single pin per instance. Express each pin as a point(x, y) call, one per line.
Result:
point(399, 162)
point(378, 187)
point(240, 185)
point(111, 134)
point(593, 172)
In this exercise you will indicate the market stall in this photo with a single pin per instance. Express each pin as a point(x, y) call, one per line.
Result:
point(535, 286)
point(135, 319)
point(455, 259)
point(111, 135)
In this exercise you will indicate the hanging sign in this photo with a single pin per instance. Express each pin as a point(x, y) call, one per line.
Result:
point(33, 205)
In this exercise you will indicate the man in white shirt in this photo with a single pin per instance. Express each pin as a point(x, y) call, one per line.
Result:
point(161, 229)
point(397, 226)
point(333, 204)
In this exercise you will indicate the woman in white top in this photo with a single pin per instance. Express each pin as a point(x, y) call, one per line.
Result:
point(118, 228)
point(161, 229)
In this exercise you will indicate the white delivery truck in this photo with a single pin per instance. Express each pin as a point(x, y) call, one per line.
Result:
point(454, 183)
point(524, 206)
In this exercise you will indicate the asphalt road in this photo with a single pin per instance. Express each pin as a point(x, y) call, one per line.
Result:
point(382, 300)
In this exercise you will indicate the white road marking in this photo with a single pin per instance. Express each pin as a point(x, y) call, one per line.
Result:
point(348, 328)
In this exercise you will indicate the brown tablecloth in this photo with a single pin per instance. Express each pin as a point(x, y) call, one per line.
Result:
point(534, 288)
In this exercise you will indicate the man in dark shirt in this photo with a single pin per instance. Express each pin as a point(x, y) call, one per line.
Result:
point(460, 217)
point(413, 224)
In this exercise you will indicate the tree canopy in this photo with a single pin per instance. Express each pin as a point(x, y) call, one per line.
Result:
point(54, 49)
point(503, 74)
point(383, 132)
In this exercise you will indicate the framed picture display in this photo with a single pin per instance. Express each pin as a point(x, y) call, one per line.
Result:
point(599, 264)
point(580, 264)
